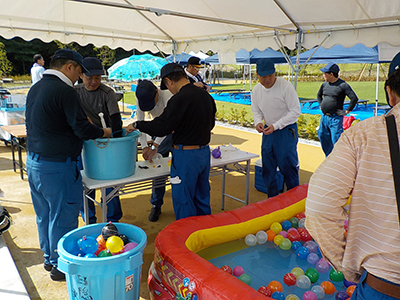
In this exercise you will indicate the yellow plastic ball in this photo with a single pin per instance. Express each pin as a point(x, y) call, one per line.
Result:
point(277, 239)
point(114, 244)
point(276, 227)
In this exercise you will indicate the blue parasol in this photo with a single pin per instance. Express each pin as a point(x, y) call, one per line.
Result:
point(135, 67)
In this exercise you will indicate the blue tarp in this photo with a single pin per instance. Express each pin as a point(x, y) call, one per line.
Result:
point(340, 55)
point(246, 57)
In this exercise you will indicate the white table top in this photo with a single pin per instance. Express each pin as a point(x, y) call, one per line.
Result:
point(229, 155)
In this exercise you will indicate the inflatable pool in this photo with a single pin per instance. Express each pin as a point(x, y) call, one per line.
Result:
point(178, 272)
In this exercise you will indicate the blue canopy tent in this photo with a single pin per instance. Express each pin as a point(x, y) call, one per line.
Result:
point(182, 59)
point(246, 57)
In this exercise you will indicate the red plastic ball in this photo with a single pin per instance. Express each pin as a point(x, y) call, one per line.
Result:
point(293, 235)
point(305, 236)
point(265, 291)
point(227, 269)
point(289, 279)
point(300, 216)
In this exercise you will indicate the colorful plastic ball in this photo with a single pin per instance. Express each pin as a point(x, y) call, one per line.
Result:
point(250, 240)
point(336, 275)
point(319, 291)
point(303, 282)
point(297, 272)
point(129, 246)
point(311, 246)
point(292, 229)
point(286, 225)
point(262, 237)
point(114, 244)
point(322, 266)
point(342, 295)
point(296, 245)
point(216, 153)
point(99, 249)
point(90, 255)
point(276, 227)
point(292, 297)
point(312, 258)
point(104, 253)
point(309, 295)
point(109, 230)
point(328, 287)
point(277, 239)
point(347, 283)
point(88, 244)
point(305, 236)
point(238, 270)
point(346, 224)
point(124, 238)
point(100, 240)
point(283, 233)
point(300, 216)
point(245, 278)
point(289, 279)
point(227, 269)
point(275, 286)
point(285, 244)
point(302, 252)
point(302, 223)
point(294, 221)
point(278, 296)
point(312, 274)
point(265, 291)
point(293, 235)
point(350, 290)
point(271, 235)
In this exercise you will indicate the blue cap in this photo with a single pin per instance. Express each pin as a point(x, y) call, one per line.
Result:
point(145, 95)
point(330, 68)
point(93, 66)
point(395, 64)
point(265, 67)
point(168, 69)
point(70, 54)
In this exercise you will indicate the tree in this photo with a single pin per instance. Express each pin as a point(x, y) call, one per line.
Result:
point(106, 55)
point(5, 64)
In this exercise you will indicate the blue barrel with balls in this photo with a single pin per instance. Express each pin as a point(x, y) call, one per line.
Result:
point(115, 277)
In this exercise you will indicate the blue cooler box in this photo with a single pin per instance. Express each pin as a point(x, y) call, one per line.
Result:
point(259, 181)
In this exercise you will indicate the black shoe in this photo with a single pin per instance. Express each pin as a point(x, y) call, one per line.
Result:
point(154, 214)
point(56, 275)
point(47, 266)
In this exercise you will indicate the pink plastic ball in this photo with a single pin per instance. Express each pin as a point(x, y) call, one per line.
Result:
point(238, 270)
point(309, 295)
point(283, 233)
point(129, 246)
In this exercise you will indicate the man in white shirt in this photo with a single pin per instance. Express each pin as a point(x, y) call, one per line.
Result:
point(37, 69)
point(276, 107)
point(153, 100)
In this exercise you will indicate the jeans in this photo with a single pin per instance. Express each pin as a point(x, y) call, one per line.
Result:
point(364, 292)
point(329, 132)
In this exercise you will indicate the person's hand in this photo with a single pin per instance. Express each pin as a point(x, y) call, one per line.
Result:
point(151, 155)
point(131, 127)
point(208, 87)
point(107, 132)
point(145, 154)
point(260, 127)
point(270, 129)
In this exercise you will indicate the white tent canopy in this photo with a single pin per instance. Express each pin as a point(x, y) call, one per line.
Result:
point(218, 25)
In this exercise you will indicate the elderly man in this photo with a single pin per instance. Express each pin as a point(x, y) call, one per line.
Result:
point(37, 69)
point(56, 126)
point(97, 98)
point(192, 72)
point(275, 106)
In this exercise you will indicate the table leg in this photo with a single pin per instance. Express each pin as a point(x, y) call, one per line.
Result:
point(86, 206)
point(223, 188)
point(12, 152)
point(21, 168)
point(103, 204)
point(247, 182)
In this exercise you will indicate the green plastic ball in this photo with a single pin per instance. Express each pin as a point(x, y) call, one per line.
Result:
point(312, 274)
point(295, 222)
point(336, 275)
point(245, 278)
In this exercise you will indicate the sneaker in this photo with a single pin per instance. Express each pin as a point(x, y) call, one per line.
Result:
point(154, 214)
point(47, 266)
point(56, 275)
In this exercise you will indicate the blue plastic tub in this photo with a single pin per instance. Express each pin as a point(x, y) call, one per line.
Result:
point(114, 158)
point(106, 278)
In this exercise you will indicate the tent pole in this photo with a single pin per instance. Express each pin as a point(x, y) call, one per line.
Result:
point(250, 77)
point(377, 90)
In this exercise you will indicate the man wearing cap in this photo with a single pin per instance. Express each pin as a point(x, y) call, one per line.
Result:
point(331, 97)
point(98, 98)
point(275, 106)
point(192, 71)
point(153, 100)
point(360, 166)
point(37, 69)
point(56, 126)
point(190, 117)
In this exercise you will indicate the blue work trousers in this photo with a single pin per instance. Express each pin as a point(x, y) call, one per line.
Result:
point(279, 149)
point(329, 132)
point(364, 292)
point(56, 192)
point(157, 195)
point(190, 170)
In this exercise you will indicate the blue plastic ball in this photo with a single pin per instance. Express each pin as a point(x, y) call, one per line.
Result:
point(88, 244)
point(342, 295)
point(302, 252)
point(347, 283)
point(278, 296)
point(296, 245)
point(312, 258)
point(286, 225)
point(90, 255)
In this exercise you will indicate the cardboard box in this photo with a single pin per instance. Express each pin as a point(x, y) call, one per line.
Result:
point(259, 181)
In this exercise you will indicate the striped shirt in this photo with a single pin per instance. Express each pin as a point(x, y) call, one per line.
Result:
point(359, 166)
